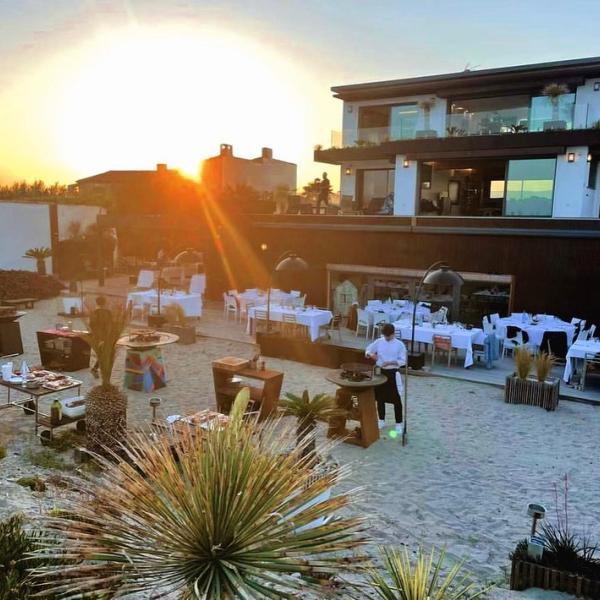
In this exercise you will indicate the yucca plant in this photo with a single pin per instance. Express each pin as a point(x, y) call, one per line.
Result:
point(554, 91)
point(39, 255)
point(401, 579)
point(215, 514)
point(543, 365)
point(106, 405)
point(308, 411)
point(523, 362)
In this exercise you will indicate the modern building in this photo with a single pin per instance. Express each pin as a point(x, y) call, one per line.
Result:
point(264, 173)
point(494, 172)
point(509, 142)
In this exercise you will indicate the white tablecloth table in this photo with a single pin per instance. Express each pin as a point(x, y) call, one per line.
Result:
point(259, 298)
point(312, 318)
point(579, 350)
point(191, 303)
point(536, 331)
point(394, 311)
point(462, 339)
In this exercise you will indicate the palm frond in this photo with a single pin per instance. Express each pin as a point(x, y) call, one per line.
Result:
point(37, 253)
point(228, 513)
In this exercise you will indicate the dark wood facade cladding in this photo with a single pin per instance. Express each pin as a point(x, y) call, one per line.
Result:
point(554, 262)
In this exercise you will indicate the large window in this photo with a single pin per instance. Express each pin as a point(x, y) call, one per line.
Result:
point(530, 187)
point(375, 185)
point(403, 121)
point(548, 115)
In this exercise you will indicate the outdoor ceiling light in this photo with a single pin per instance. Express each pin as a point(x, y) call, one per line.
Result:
point(406, 163)
point(348, 171)
point(263, 247)
point(596, 86)
point(571, 157)
point(589, 157)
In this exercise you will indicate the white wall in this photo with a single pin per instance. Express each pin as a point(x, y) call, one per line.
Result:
point(23, 226)
point(570, 184)
point(405, 189)
point(587, 104)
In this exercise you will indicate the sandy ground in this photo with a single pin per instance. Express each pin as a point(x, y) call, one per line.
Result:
point(472, 464)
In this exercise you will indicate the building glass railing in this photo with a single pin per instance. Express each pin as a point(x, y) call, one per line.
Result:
point(536, 118)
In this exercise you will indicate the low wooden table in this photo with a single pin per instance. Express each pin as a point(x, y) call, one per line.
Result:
point(264, 398)
point(31, 405)
point(358, 399)
point(145, 369)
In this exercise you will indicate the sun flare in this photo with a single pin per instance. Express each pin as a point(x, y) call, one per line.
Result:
point(131, 98)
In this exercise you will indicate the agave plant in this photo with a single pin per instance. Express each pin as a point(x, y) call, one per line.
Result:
point(402, 580)
point(554, 91)
point(39, 255)
point(106, 405)
point(219, 515)
point(308, 411)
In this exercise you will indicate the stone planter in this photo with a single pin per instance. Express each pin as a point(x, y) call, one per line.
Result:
point(525, 575)
point(555, 125)
point(531, 391)
point(187, 334)
point(425, 133)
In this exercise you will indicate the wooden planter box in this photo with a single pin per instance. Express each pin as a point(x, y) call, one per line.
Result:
point(532, 391)
point(187, 335)
point(525, 575)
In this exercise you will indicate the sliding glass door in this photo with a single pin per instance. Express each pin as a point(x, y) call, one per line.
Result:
point(530, 187)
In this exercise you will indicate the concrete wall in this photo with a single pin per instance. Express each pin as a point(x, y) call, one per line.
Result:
point(23, 226)
point(570, 184)
point(587, 104)
point(405, 188)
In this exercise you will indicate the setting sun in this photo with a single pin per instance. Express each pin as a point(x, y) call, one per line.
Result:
point(136, 96)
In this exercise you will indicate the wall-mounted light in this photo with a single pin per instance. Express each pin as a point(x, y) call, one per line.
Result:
point(597, 86)
point(589, 157)
point(571, 157)
point(406, 163)
point(348, 171)
point(350, 108)
point(264, 247)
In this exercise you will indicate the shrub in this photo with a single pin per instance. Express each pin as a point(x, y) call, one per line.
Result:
point(35, 484)
point(46, 459)
point(27, 284)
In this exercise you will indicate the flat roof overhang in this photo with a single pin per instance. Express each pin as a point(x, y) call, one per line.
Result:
point(485, 82)
point(543, 143)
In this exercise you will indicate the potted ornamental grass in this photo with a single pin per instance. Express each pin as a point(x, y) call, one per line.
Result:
point(178, 325)
point(541, 390)
point(554, 91)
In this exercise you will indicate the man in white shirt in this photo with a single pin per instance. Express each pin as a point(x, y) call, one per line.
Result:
point(389, 353)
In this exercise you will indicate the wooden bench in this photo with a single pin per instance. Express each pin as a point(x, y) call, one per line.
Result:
point(25, 302)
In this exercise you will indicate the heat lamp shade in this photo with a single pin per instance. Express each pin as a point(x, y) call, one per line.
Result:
point(292, 263)
point(443, 276)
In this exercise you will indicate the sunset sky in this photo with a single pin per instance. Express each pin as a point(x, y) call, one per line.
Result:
point(92, 85)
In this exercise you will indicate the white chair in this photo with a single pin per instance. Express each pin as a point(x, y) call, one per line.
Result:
point(232, 292)
point(295, 293)
point(494, 319)
point(487, 326)
point(145, 280)
point(362, 320)
point(591, 332)
point(231, 306)
point(198, 284)
point(298, 302)
point(379, 320)
point(513, 343)
point(583, 335)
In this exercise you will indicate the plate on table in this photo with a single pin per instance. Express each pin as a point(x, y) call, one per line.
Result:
point(15, 379)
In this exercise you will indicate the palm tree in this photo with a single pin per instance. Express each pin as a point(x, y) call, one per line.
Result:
point(426, 106)
point(401, 580)
point(39, 255)
point(213, 514)
point(106, 405)
point(554, 91)
point(308, 411)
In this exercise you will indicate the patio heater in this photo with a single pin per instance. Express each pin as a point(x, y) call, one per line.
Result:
point(436, 274)
point(288, 261)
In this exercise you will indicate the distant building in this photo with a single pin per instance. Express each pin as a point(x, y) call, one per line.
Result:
point(140, 192)
point(264, 173)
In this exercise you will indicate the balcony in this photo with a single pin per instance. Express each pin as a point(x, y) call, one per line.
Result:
point(524, 119)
